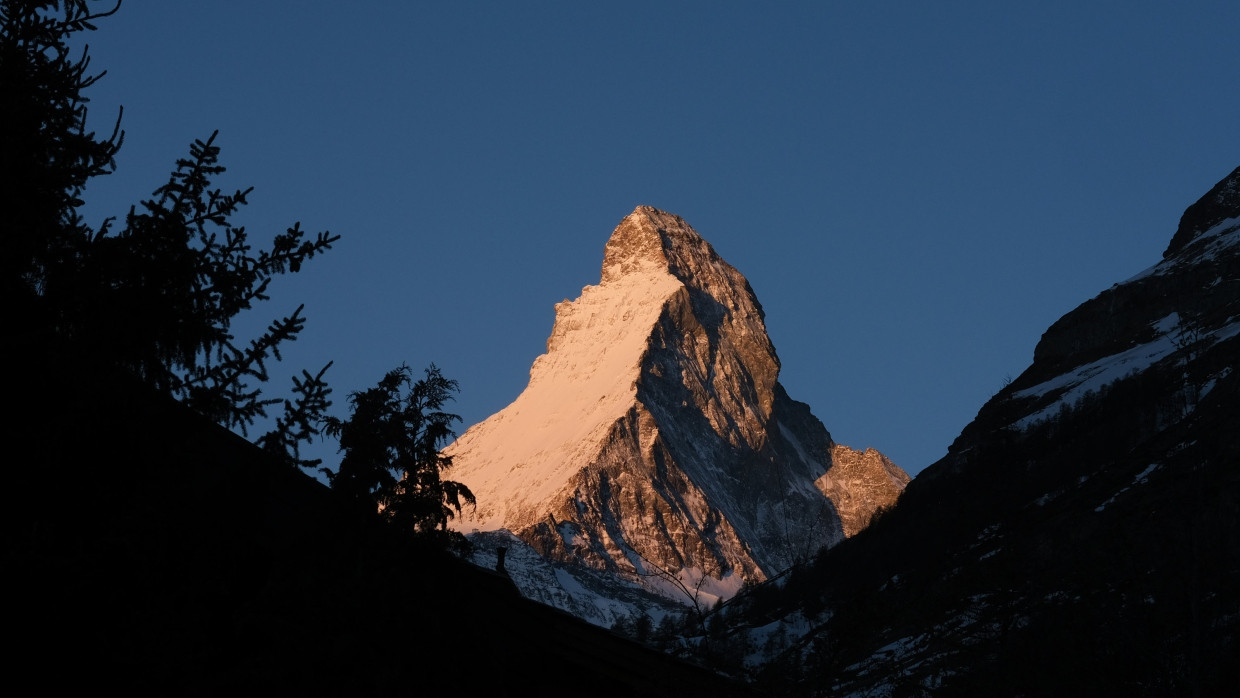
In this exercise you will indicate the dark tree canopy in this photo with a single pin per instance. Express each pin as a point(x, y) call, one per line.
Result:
point(391, 444)
point(155, 293)
point(169, 282)
point(47, 153)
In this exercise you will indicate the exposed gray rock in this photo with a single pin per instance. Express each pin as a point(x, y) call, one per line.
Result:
point(861, 484)
point(654, 440)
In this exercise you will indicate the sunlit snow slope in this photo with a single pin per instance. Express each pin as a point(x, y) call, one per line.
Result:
point(653, 438)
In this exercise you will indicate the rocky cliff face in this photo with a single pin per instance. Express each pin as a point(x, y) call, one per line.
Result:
point(654, 438)
point(861, 484)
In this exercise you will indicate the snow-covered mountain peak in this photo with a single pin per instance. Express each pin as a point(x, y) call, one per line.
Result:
point(636, 245)
point(649, 239)
point(653, 439)
point(652, 239)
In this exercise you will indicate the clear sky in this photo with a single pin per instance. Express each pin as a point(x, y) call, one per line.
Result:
point(915, 190)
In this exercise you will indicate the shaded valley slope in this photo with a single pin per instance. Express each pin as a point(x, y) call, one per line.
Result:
point(1081, 536)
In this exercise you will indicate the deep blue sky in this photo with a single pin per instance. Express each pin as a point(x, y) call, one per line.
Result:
point(915, 190)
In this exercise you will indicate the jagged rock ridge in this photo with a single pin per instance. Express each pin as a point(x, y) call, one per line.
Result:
point(654, 437)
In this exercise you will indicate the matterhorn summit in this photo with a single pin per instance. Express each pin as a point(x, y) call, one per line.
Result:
point(654, 439)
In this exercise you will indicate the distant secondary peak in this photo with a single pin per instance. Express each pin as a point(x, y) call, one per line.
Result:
point(650, 240)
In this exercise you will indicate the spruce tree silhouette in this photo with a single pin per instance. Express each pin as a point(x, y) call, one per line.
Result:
point(392, 458)
point(155, 295)
point(46, 152)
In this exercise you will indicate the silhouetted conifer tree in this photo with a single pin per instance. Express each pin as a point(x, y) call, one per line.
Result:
point(160, 294)
point(302, 420)
point(154, 296)
point(643, 627)
point(47, 154)
point(665, 633)
point(391, 444)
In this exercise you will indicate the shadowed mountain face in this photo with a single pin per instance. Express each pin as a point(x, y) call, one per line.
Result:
point(1081, 535)
point(654, 437)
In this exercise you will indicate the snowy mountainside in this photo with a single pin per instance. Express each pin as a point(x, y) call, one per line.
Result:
point(593, 595)
point(1170, 314)
point(654, 441)
point(1087, 517)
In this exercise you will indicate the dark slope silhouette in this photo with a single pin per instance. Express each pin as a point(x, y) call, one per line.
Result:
point(154, 552)
point(1082, 535)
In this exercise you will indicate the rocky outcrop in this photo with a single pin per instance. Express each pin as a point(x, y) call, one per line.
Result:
point(654, 439)
point(861, 485)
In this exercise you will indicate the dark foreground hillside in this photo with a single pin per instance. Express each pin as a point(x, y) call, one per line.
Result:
point(1082, 535)
point(152, 552)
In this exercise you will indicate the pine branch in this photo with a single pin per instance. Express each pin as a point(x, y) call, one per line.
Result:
point(301, 421)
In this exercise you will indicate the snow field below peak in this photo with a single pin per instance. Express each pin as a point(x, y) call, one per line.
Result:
point(577, 391)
